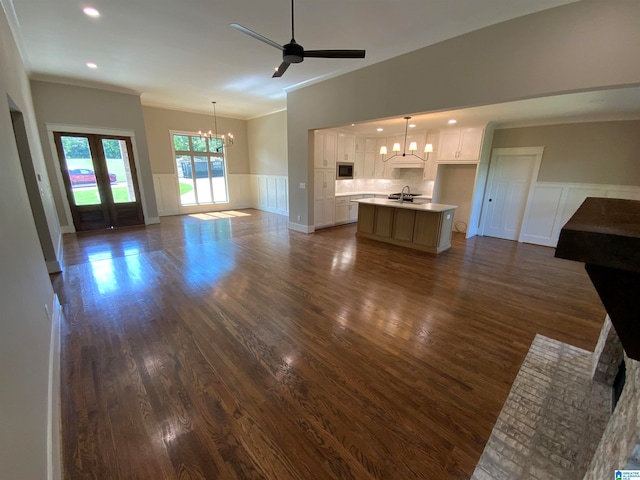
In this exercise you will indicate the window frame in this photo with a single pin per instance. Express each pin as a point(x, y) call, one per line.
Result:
point(192, 154)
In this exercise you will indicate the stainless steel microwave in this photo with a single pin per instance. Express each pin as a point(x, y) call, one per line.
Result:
point(344, 171)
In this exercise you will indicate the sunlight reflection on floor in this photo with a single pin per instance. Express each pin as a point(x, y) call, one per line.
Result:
point(216, 215)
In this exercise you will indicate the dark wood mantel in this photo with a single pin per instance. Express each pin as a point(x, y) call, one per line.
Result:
point(604, 233)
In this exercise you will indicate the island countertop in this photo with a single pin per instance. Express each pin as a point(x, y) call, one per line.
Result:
point(423, 207)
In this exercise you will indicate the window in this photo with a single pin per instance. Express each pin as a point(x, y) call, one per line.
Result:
point(201, 169)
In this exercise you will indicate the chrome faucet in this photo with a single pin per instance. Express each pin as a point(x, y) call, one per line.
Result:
point(402, 192)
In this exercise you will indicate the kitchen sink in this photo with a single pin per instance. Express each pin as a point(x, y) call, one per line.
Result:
point(407, 197)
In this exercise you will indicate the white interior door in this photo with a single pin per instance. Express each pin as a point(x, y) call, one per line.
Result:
point(510, 177)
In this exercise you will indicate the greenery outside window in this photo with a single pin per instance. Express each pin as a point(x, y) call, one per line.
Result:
point(201, 168)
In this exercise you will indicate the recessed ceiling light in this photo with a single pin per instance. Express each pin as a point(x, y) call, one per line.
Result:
point(91, 12)
point(353, 124)
point(379, 129)
point(91, 65)
point(452, 121)
point(412, 125)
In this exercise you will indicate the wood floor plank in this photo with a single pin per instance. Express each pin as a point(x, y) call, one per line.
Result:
point(211, 347)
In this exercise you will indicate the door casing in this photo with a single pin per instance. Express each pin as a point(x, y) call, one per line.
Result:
point(516, 151)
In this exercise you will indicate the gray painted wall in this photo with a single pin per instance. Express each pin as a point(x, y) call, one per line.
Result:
point(25, 327)
point(268, 144)
point(605, 153)
point(57, 103)
point(580, 46)
point(159, 121)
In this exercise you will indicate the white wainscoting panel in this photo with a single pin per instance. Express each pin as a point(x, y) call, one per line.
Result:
point(539, 225)
point(271, 193)
point(167, 193)
point(552, 204)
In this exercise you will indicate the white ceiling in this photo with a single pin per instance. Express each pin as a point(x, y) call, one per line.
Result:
point(183, 54)
point(600, 105)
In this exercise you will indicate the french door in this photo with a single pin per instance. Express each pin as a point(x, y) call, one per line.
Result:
point(100, 180)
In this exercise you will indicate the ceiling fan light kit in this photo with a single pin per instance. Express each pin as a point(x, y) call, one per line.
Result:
point(293, 52)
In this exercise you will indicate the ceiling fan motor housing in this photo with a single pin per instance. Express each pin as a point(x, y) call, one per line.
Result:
point(293, 53)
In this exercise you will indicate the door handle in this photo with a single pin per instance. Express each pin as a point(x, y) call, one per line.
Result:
point(491, 199)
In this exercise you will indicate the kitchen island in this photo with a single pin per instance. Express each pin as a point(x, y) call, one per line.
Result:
point(422, 226)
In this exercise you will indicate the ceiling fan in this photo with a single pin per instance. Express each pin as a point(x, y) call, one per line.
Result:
point(292, 52)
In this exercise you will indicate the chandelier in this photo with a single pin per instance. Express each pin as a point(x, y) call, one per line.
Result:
point(413, 146)
point(227, 140)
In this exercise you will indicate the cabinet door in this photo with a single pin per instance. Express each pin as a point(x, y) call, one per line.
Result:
point(329, 211)
point(448, 145)
point(383, 221)
point(370, 145)
point(342, 212)
point(353, 212)
point(330, 149)
point(427, 228)
point(330, 183)
point(318, 212)
point(369, 165)
point(431, 166)
point(318, 149)
point(318, 184)
point(403, 222)
point(366, 218)
point(470, 142)
point(358, 165)
point(348, 149)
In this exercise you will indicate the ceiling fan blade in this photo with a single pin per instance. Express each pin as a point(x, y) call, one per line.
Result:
point(334, 53)
point(255, 35)
point(281, 69)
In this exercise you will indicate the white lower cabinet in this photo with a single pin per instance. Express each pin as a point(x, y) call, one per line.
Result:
point(346, 211)
point(324, 192)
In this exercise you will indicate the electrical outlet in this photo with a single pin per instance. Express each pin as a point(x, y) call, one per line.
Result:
point(303, 186)
point(298, 217)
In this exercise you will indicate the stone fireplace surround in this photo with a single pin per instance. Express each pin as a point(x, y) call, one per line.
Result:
point(557, 420)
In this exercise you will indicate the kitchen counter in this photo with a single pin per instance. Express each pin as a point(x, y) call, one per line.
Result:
point(425, 207)
point(421, 226)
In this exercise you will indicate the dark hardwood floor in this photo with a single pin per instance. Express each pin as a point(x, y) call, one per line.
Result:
point(209, 347)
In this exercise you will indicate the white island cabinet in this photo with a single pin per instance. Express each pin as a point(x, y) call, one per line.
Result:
point(422, 226)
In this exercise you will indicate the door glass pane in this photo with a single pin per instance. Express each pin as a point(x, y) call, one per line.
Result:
point(77, 156)
point(185, 180)
point(218, 180)
point(203, 186)
point(119, 170)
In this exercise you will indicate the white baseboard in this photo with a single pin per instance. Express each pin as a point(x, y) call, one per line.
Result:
point(284, 213)
point(301, 228)
point(54, 467)
point(67, 229)
point(151, 220)
point(168, 213)
point(54, 266)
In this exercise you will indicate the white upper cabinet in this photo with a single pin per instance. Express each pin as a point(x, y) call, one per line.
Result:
point(460, 145)
point(346, 148)
point(325, 149)
point(431, 166)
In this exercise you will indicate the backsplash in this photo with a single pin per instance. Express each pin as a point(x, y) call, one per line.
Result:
point(411, 177)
